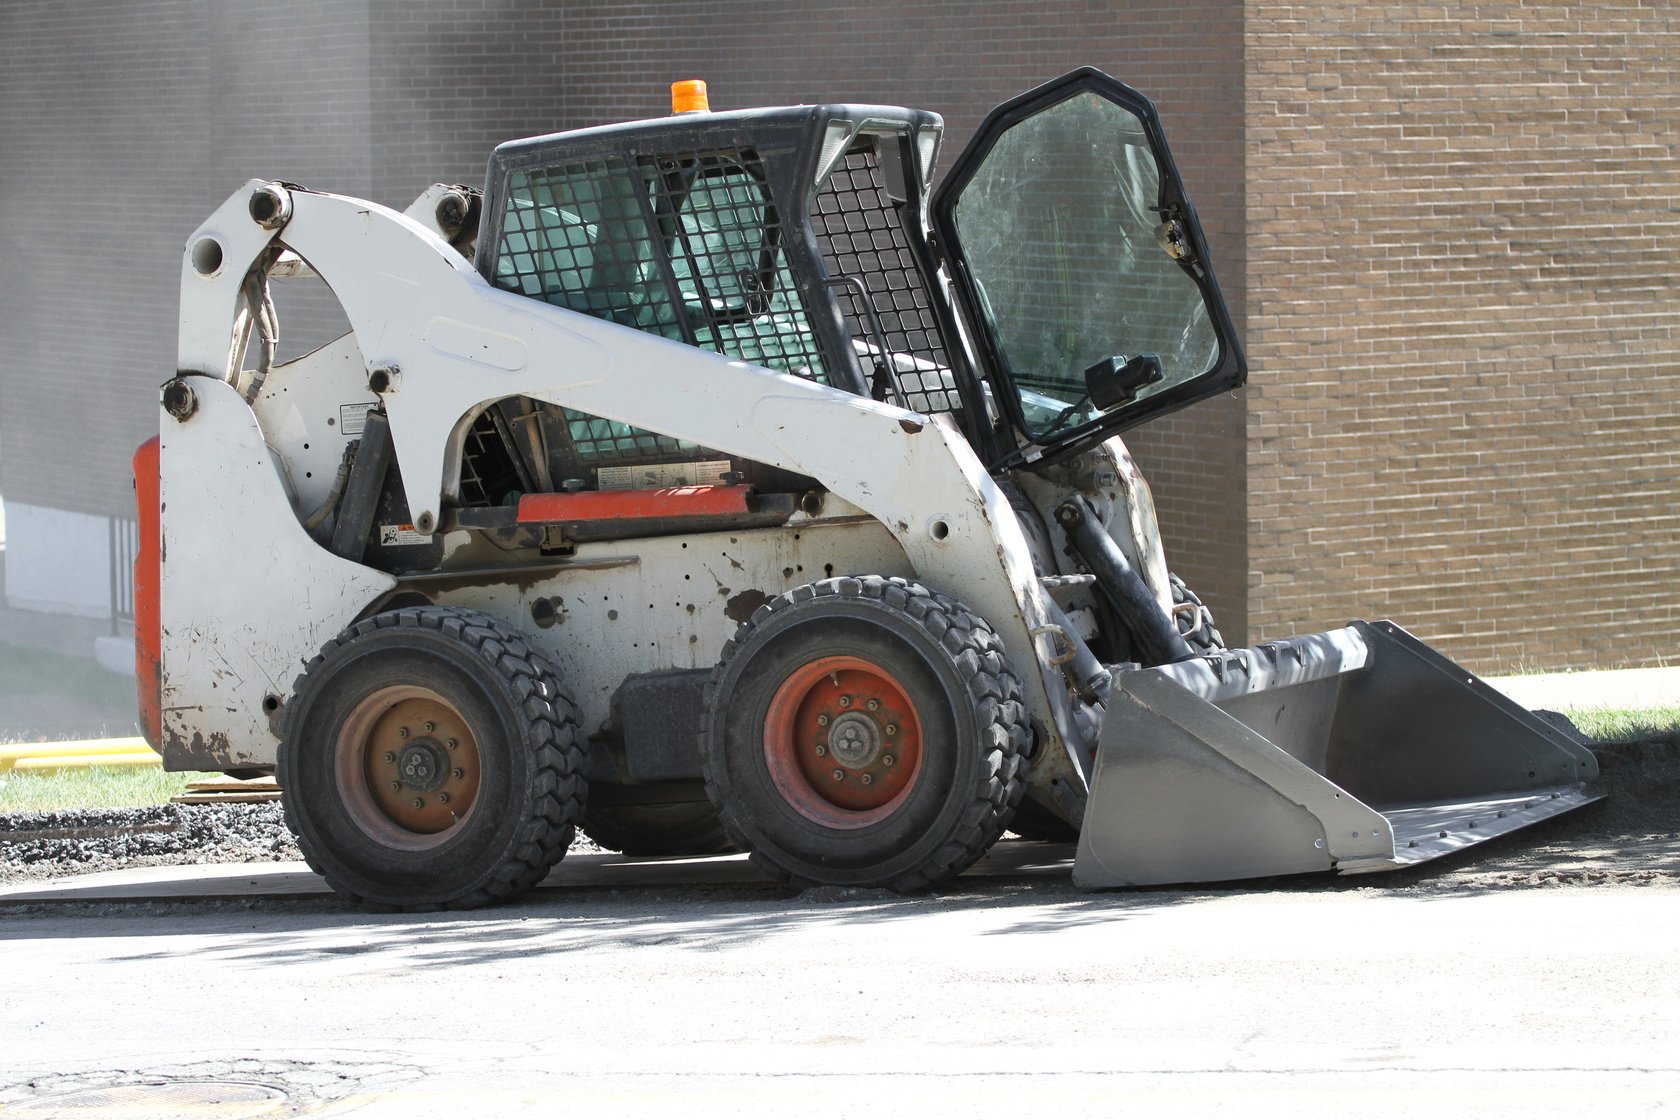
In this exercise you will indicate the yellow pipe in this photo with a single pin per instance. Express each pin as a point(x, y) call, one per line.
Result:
point(11, 752)
point(83, 761)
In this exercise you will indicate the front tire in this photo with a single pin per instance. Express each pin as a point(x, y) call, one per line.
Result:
point(865, 732)
point(430, 758)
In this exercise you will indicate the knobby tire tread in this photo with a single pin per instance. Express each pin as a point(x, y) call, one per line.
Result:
point(992, 685)
point(552, 715)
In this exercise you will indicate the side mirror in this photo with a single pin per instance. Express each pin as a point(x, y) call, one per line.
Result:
point(1115, 381)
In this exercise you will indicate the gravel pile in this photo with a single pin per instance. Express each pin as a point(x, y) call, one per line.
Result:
point(35, 846)
point(76, 842)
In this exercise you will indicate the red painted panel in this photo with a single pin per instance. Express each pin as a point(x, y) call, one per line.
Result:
point(630, 505)
point(148, 579)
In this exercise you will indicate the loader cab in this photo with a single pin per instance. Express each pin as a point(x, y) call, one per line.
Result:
point(798, 239)
point(790, 238)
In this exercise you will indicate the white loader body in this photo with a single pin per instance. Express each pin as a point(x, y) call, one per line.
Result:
point(621, 526)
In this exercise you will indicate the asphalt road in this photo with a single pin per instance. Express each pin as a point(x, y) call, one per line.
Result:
point(1473, 992)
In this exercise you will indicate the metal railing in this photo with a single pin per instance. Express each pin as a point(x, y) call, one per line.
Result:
point(124, 547)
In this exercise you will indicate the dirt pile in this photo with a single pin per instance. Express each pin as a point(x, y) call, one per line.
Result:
point(1642, 781)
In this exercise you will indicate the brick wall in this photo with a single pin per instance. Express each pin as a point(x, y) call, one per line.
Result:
point(1463, 262)
point(450, 79)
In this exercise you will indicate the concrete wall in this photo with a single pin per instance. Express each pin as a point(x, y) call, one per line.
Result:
point(1464, 263)
point(57, 561)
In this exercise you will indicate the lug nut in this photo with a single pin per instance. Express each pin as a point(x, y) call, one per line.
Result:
point(443, 799)
point(822, 721)
point(451, 744)
point(839, 775)
point(402, 732)
point(419, 802)
point(866, 779)
point(430, 727)
point(821, 750)
point(457, 773)
point(395, 786)
point(892, 729)
point(390, 756)
point(887, 760)
point(873, 704)
point(845, 701)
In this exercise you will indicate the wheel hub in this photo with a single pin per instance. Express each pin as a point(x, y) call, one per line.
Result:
point(854, 740)
point(843, 742)
point(415, 763)
point(423, 765)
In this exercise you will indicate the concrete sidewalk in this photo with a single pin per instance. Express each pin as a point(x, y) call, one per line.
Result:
point(1610, 688)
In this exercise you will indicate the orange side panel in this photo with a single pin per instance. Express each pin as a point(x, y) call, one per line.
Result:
point(148, 580)
point(632, 505)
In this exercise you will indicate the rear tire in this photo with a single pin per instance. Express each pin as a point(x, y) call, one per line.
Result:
point(676, 829)
point(430, 758)
point(865, 732)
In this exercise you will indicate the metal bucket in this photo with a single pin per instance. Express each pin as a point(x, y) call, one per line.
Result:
point(1355, 750)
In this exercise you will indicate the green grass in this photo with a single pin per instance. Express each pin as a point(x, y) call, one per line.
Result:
point(1622, 725)
point(96, 787)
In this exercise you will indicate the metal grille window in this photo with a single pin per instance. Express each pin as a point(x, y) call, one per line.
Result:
point(576, 237)
point(688, 246)
point(860, 231)
point(731, 271)
point(490, 473)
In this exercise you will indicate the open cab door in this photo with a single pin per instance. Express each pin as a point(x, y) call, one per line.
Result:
point(1080, 264)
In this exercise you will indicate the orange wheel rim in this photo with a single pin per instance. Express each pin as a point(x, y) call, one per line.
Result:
point(408, 766)
point(843, 742)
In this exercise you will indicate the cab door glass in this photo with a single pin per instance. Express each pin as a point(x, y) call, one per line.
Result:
point(1058, 229)
point(1078, 258)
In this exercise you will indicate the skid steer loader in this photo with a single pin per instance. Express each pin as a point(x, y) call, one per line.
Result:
point(702, 483)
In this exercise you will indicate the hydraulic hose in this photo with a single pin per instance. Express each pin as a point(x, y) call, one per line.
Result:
point(1157, 637)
